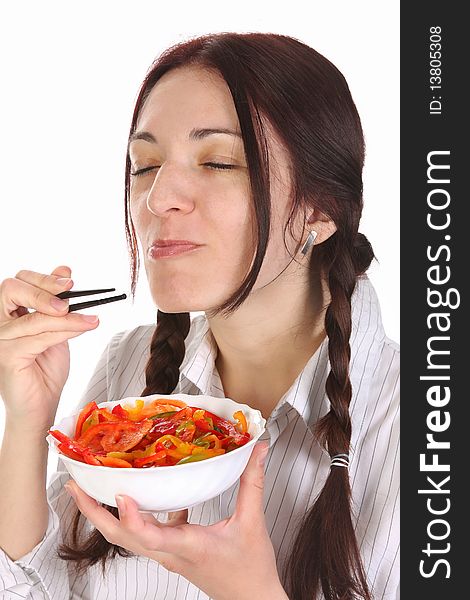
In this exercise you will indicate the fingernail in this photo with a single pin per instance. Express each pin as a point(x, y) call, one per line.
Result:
point(121, 505)
point(90, 318)
point(63, 280)
point(59, 304)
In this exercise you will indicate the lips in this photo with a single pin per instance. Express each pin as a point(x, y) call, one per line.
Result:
point(168, 248)
point(162, 243)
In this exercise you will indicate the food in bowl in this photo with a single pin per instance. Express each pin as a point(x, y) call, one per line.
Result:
point(174, 487)
point(165, 432)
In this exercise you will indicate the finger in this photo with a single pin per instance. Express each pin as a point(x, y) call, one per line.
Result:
point(62, 271)
point(44, 280)
point(34, 345)
point(250, 493)
point(18, 292)
point(35, 324)
point(152, 535)
point(117, 531)
point(101, 518)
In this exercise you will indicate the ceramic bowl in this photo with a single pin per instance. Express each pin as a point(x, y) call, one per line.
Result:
point(172, 488)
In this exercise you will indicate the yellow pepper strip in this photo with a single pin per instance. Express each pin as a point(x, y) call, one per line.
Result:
point(198, 414)
point(240, 417)
point(92, 420)
point(215, 439)
point(208, 452)
point(142, 411)
point(183, 447)
point(134, 413)
point(135, 454)
point(176, 454)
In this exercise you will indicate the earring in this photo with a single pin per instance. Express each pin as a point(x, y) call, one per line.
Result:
point(309, 242)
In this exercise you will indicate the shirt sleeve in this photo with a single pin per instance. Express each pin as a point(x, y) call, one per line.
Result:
point(41, 574)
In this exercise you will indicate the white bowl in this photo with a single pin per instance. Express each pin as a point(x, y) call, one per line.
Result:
point(166, 489)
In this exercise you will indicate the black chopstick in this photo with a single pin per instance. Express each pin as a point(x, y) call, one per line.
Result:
point(76, 294)
point(89, 303)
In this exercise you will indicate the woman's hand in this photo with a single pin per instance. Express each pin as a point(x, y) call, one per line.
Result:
point(34, 351)
point(233, 558)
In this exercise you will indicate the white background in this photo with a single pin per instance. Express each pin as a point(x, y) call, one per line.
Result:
point(70, 76)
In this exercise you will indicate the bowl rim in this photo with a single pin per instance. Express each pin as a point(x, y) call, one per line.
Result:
point(54, 443)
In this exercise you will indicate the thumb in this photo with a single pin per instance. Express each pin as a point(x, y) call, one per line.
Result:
point(250, 493)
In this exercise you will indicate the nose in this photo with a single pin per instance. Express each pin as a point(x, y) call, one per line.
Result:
point(171, 190)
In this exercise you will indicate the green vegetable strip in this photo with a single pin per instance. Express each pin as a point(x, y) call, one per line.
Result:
point(165, 414)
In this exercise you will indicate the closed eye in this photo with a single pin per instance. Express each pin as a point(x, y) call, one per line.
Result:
point(143, 171)
point(212, 165)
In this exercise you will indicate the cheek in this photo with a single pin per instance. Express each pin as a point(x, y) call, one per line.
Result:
point(280, 252)
point(139, 216)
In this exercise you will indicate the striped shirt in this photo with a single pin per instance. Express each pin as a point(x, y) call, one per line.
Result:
point(296, 467)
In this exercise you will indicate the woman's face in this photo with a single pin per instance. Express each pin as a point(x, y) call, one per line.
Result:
point(195, 187)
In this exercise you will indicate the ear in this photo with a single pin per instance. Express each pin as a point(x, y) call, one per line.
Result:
point(322, 224)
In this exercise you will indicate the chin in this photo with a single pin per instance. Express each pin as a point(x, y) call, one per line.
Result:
point(173, 307)
point(176, 305)
point(181, 299)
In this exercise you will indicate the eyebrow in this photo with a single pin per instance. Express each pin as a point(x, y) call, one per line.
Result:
point(194, 135)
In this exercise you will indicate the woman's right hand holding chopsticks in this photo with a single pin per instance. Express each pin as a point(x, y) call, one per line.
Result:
point(34, 351)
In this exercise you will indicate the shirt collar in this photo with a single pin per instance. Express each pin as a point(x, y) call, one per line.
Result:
point(307, 394)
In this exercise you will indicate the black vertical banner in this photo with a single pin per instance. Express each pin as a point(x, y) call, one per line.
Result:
point(435, 267)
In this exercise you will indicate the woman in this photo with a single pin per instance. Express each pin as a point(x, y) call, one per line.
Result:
point(248, 150)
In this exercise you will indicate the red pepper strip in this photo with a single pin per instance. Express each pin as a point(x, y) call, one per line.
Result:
point(120, 412)
point(202, 424)
point(70, 453)
point(228, 428)
point(75, 446)
point(158, 457)
point(108, 461)
point(183, 414)
point(104, 415)
point(83, 416)
point(115, 437)
point(164, 427)
point(226, 441)
point(185, 431)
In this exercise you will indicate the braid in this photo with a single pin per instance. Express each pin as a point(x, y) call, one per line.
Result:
point(334, 430)
point(325, 553)
point(167, 350)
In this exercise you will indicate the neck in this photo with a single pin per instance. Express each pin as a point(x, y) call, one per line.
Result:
point(265, 344)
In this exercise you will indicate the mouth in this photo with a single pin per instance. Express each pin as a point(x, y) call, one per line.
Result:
point(171, 250)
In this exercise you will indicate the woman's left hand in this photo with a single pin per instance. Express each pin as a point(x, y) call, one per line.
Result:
point(233, 558)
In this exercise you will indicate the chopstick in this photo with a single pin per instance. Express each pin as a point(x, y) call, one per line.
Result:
point(76, 293)
point(89, 303)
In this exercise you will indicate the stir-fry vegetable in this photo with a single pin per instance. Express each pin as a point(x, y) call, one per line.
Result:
point(165, 432)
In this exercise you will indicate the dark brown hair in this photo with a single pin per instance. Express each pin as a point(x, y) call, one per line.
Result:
point(306, 99)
